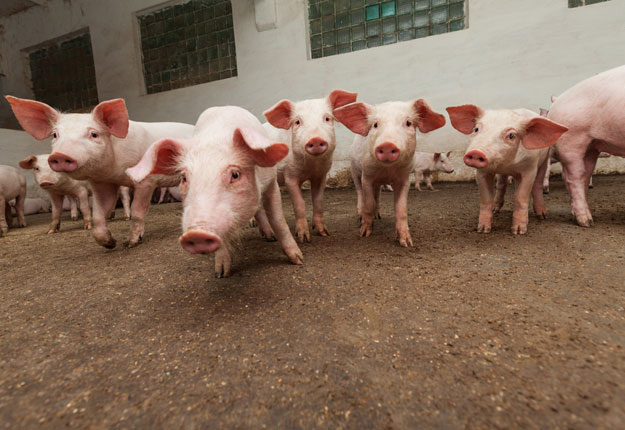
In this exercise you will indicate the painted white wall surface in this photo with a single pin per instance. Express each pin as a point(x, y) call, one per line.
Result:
point(513, 54)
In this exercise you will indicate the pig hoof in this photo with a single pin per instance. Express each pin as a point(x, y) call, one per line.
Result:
point(322, 229)
point(519, 229)
point(270, 238)
point(585, 222)
point(52, 231)
point(74, 218)
point(127, 218)
point(88, 226)
point(365, 229)
point(295, 256)
point(483, 228)
point(252, 223)
point(545, 190)
point(112, 243)
point(303, 236)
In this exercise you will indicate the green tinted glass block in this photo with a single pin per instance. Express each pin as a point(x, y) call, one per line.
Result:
point(341, 5)
point(331, 50)
point(456, 25)
point(439, 28)
point(456, 10)
point(316, 53)
point(576, 3)
point(343, 49)
point(422, 32)
point(388, 25)
point(357, 3)
point(373, 12)
point(358, 16)
point(342, 20)
point(439, 15)
point(404, 6)
point(436, 3)
point(329, 38)
point(388, 8)
point(357, 46)
point(406, 35)
point(421, 19)
point(373, 41)
point(315, 42)
point(315, 26)
point(404, 22)
point(358, 32)
point(373, 28)
point(327, 8)
point(387, 39)
point(314, 11)
point(421, 4)
point(368, 2)
point(594, 1)
point(327, 23)
point(342, 36)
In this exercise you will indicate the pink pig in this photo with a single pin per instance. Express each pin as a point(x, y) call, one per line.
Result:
point(59, 185)
point(507, 142)
point(308, 128)
point(382, 153)
point(12, 186)
point(228, 171)
point(99, 147)
point(34, 206)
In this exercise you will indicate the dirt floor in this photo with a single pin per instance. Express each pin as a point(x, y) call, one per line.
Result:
point(462, 331)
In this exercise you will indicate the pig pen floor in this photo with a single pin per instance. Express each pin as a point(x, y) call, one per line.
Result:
point(462, 331)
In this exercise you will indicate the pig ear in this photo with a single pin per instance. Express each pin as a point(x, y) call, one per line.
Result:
point(28, 163)
point(354, 116)
point(543, 112)
point(160, 158)
point(264, 152)
point(448, 154)
point(541, 133)
point(553, 99)
point(338, 98)
point(437, 155)
point(35, 117)
point(463, 118)
point(427, 119)
point(280, 114)
point(113, 114)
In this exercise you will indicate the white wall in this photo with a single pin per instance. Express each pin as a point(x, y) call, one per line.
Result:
point(514, 54)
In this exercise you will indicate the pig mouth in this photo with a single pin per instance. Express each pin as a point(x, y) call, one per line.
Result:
point(46, 184)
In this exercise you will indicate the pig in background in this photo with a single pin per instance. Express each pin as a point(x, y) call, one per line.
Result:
point(382, 153)
point(426, 163)
point(12, 186)
point(507, 143)
point(593, 111)
point(169, 195)
point(59, 185)
point(228, 171)
point(33, 206)
point(307, 127)
point(98, 147)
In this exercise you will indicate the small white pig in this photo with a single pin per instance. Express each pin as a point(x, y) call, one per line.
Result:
point(507, 142)
point(424, 164)
point(382, 153)
point(12, 186)
point(58, 185)
point(308, 128)
point(99, 147)
point(228, 170)
point(34, 206)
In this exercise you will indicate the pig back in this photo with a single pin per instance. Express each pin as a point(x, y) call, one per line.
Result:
point(12, 182)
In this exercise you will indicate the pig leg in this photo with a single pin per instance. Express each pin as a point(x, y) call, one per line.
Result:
point(485, 185)
point(57, 209)
point(358, 184)
point(138, 209)
point(537, 191)
point(574, 173)
point(163, 191)
point(8, 213)
point(263, 225)
point(104, 199)
point(418, 178)
point(590, 183)
point(522, 193)
point(369, 206)
point(293, 185)
point(502, 184)
point(547, 174)
point(317, 186)
point(272, 203)
point(428, 181)
point(73, 208)
point(377, 202)
point(402, 231)
point(4, 227)
point(223, 260)
point(125, 193)
point(19, 207)
point(590, 161)
point(83, 203)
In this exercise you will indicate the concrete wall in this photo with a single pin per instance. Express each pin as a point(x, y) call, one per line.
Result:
point(514, 54)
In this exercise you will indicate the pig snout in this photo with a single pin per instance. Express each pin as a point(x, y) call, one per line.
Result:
point(450, 170)
point(198, 242)
point(60, 162)
point(46, 184)
point(387, 152)
point(316, 146)
point(475, 158)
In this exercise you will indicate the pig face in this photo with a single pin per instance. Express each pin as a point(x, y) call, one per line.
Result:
point(79, 141)
point(500, 137)
point(311, 122)
point(44, 175)
point(442, 163)
point(390, 127)
point(220, 187)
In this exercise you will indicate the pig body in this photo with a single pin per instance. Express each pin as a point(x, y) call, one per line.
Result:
point(425, 163)
point(34, 206)
point(58, 185)
point(219, 200)
point(99, 147)
point(593, 112)
point(12, 186)
point(307, 127)
point(507, 143)
point(382, 153)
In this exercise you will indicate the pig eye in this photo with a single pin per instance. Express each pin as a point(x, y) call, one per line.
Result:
point(408, 123)
point(234, 175)
point(375, 125)
point(183, 179)
point(94, 134)
point(298, 122)
point(511, 136)
point(36, 169)
point(54, 134)
point(327, 119)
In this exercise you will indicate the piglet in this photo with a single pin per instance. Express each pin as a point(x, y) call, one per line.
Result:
point(507, 142)
point(58, 185)
point(382, 153)
point(308, 128)
point(228, 171)
point(12, 186)
point(98, 147)
point(34, 206)
point(425, 163)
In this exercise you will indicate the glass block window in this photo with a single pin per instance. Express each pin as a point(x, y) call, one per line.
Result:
point(187, 44)
point(63, 75)
point(577, 3)
point(339, 26)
